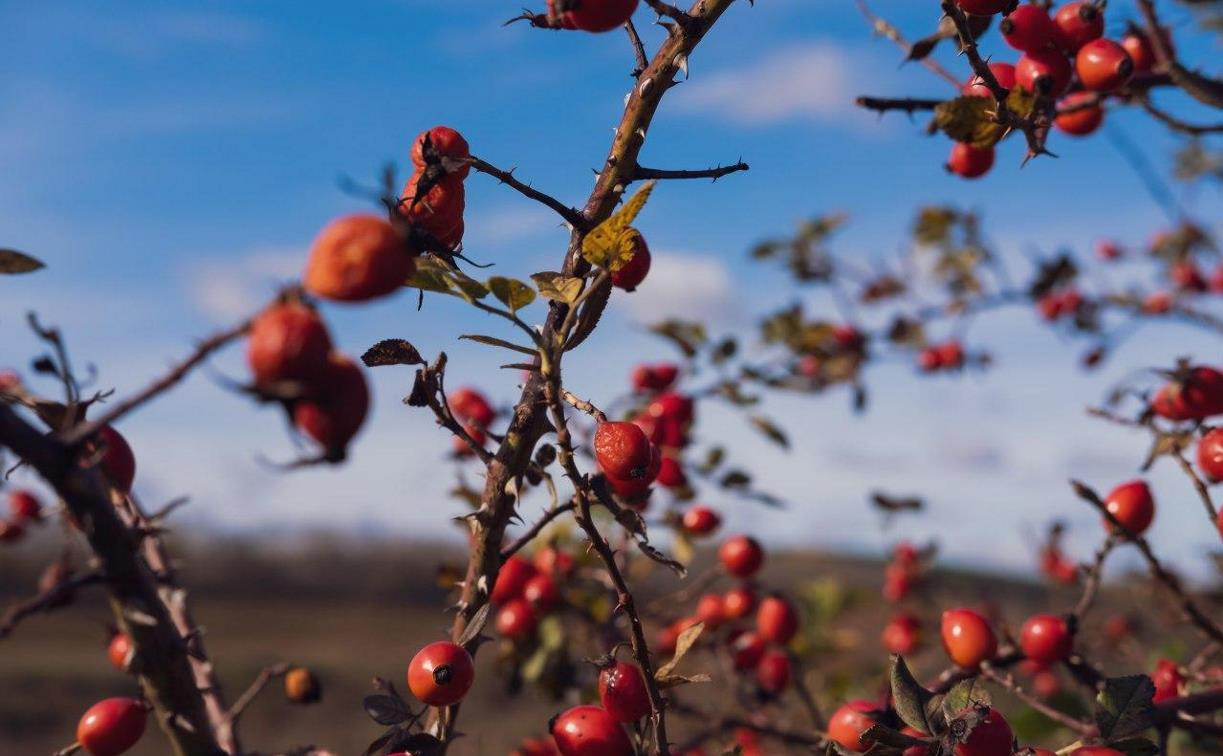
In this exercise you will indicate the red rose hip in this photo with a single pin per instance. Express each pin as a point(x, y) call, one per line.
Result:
point(441, 673)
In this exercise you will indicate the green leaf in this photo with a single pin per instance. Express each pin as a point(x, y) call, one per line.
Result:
point(1124, 707)
point(465, 286)
point(965, 695)
point(970, 119)
point(13, 262)
point(511, 292)
point(494, 341)
point(910, 698)
point(557, 286)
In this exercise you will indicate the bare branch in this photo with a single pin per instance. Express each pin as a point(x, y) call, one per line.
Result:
point(265, 676)
point(641, 173)
point(45, 601)
point(1006, 680)
point(907, 104)
point(885, 28)
point(571, 215)
point(537, 528)
point(1175, 123)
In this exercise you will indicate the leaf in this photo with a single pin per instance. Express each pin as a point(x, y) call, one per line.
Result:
point(910, 698)
point(475, 625)
point(588, 319)
point(430, 276)
point(1135, 747)
point(771, 431)
point(494, 341)
point(392, 352)
point(671, 681)
point(605, 245)
point(13, 262)
point(966, 694)
point(386, 710)
point(970, 119)
point(683, 643)
point(934, 224)
point(883, 734)
point(511, 292)
point(689, 336)
point(735, 479)
point(465, 286)
point(1124, 707)
point(557, 286)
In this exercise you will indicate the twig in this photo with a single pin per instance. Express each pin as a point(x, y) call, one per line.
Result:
point(638, 48)
point(45, 601)
point(1175, 123)
point(582, 405)
point(641, 173)
point(538, 527)
point(1008, 682)
point(717, 724)
point(884, 28)
point(571, 215)
point(265, 676)
point(1201, 88)
point(1199, 485)
point(907, 104)
point(1092, 586)
point(218, 340)
point(1188, 606)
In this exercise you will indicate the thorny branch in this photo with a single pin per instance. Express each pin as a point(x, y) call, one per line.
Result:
point(571, 215)
point(46, 600)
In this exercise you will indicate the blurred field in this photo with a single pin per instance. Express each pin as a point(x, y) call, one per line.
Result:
point(354, 610)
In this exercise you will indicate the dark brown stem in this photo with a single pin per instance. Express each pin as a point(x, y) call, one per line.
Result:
point(1092, 585)
point(885, 28)
point(1199, 485)
point(641, 173)
point(537, 528)
point(907, 104)
point(638, 48)
point(45, 601)
point(265, 676)
point(1175, 123)
point(570, 214)
point(1008, 681)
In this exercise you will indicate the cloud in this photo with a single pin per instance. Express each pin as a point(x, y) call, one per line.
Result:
point(228, 289)
point(694, 287)
point(507, 224)
point(813, 82)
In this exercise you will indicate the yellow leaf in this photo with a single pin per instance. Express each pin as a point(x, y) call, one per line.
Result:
point(511, 292)
point(610, 244)
point(685, 641)
point(558, 286)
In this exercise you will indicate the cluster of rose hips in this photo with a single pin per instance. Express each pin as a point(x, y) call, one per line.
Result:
point(24, 509)
point(948, 355)
point(900, 575)
point(291, 357)
point(526, 591)
point(1065, 57)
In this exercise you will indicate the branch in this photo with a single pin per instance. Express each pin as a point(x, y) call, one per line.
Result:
point(1190, 608)
point(164, 668)
point(582, 405)
point(571, 215)
point(640, 173)
point(45, 601)
point(883, 27)
point(205, 349)
point(265, 676)
point(1008, 681)
point(537, 528)
point(1092, 585)
point(1175, 123)
point(638, 48)
point(729, 723)
point(1201, 88)
point(1198, 485)
point(907, 104)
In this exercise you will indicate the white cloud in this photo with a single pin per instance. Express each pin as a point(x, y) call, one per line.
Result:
point(229, 289)
point(695, 287)
point(804, 82)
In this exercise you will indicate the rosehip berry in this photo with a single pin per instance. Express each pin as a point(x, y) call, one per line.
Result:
point(951, 355)
point(992, 736)
point(970, 162)
point(438, 145)
point(111, 726)
point(1210, 454)
point(1108, 250)
point(1186, 276)
point(338, 409)
point(119, 651)
point(11, 531)
point(746, 650)
point(1103, 65)
point(592, 15)
point(1195, 396)
point(1046, 638)
point(512, 579)
point(701, 521)
point(673, 406)
point(478, 436)
point(968, 638)
point(1076, 24)
point(1141, 50)
point(622, 450)
point(1157, 303)
point(541, 593)
point(516, 619)
point(552, 561)
point(738, 602)
point(118, 461)
point(654, 377)
point(901, 634)
point(301, 686)
point(590, 731)
point(358, 258)
point(1132, 505)
point(1083, 114)
point(776, 620)
point(741, 556)
point(710, 610)
point(288, 342)
point(671, 473)
point(1168, 680)
point(1043, 72)
point(441, 673)
point(669, 635)
point(982, 7)
point(634, 490)
point(24, 505)
point(847, 724)
point(1028, 27)
point(1045, 684)
point(897, 582)
point(917, 750)
point(1004, 74)
point(773, 672)
point(622, 692)
point(469, 404)
point(633, 272)
point(437, 210)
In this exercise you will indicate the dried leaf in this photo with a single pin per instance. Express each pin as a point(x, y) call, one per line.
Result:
point(392, 352)
point(970, 119)
point(386, 710)
point(13, 262)
point(771, 431)
point(683, 643)
point(588, 319)
point(557, 286)
point(608, 245)
point(475, 625)
point(494, 341)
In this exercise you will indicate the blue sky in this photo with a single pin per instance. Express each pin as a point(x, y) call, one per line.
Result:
point(171, 161)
